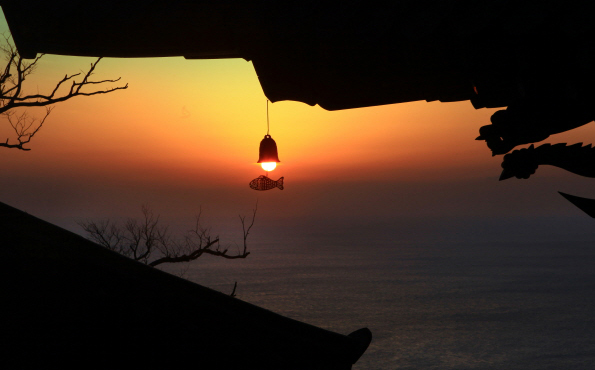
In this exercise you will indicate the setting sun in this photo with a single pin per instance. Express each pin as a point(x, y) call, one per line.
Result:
point(268, 166)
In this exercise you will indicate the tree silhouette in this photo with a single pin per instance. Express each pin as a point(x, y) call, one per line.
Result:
point(14, 101)
point(151, 243)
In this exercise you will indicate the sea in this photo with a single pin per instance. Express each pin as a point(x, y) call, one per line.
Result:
point(429, 305)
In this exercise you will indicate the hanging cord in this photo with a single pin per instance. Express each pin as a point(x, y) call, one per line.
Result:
point(268, 126)
point(268, 117)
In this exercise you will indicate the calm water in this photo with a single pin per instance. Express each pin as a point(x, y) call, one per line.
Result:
point(440, 306)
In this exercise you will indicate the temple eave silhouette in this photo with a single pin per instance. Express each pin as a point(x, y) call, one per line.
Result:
point(340, 55)
point(66, 297)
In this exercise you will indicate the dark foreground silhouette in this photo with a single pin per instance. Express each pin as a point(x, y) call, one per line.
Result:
point(68, 300)
point(531, 56)
point(584, 204)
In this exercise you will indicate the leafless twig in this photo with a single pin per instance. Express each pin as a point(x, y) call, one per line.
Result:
point(148, 242)
point(12, 80)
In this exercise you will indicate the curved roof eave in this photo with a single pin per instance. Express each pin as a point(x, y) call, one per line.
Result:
point(67, 292)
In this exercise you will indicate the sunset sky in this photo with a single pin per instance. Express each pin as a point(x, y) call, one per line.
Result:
point(185, 134)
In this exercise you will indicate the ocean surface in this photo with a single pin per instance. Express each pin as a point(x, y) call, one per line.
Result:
point(513, 306)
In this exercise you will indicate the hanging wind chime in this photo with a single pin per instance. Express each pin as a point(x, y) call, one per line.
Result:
point(268, 159)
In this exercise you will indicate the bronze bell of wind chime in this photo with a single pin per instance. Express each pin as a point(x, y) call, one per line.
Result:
point(268, 157)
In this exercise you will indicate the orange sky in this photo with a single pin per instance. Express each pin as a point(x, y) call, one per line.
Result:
point(186, 133)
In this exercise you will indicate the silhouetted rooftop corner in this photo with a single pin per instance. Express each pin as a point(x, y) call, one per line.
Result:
point(344, 54)
point(66, 297)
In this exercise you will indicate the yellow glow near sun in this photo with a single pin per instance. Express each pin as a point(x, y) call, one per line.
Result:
point(268, 166)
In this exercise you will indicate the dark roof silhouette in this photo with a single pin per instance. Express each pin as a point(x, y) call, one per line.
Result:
point(584, 204)
point(341, 54)
point(66, 297)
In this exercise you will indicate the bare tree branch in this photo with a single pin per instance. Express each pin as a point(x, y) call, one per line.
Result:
point(233, 292)
point(12, 81)
point(22, 125)
point(247, 231)
point(148, 242)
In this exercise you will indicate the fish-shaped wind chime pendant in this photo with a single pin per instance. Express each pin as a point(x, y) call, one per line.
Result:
point(264, 183)
point(268, 159)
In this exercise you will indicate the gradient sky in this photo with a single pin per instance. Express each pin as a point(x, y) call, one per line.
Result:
point(185, 134)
